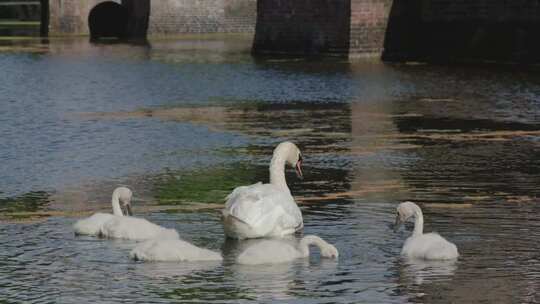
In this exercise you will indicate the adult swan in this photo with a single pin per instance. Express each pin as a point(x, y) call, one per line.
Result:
point(266, 210)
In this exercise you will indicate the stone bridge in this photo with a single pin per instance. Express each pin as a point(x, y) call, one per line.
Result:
point(446, 30)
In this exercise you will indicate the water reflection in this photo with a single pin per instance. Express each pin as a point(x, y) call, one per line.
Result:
point(419, 272)
point(283, 281)
point(174, 270)
point(267, 281)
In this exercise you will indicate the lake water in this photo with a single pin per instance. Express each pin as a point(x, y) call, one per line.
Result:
point(182, 122)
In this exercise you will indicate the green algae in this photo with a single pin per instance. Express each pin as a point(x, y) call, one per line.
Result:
point(206, 185)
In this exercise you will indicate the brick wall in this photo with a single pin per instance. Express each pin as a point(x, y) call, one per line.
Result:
point(166, 16)
point(239, 16)
point(202, 16)
point(70, 16)
point(368, 26)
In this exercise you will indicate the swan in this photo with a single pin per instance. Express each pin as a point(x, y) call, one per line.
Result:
point(428, 246)
point(263, 210)
point(121, 205)
point(121, 224)
point(133, 228)
point(275, 252)
point(171, 250)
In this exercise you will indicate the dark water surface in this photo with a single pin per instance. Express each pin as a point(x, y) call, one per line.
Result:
point(183, 122)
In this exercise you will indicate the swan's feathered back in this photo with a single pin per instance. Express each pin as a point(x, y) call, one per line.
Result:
point(251, 203)
point(281, 251)
point(264, 209)
point(132, 228)
point(269, 252)
point(172, 250)
point(92, 225)
point(429, 246)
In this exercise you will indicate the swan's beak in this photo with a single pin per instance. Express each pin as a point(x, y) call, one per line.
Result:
point(128, 210)
point(298, 168)
point(398, 223)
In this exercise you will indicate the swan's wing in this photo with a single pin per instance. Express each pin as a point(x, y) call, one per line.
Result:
point(292, 216)
point(239, 192)
point(262, 210)
point(92, 225)
point(132, 228)
point(429, 246)
point(268, 252)
point(256, 203)
point(439, 248)
point(243, 203)
point(172, 250)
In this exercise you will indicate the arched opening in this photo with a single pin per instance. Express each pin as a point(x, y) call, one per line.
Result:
point(108, 20)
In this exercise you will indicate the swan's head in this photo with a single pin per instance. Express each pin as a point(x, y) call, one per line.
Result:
point(405, 211)
point(292, 156)
point(329, 251)
point(126, 207)
point(123, 195)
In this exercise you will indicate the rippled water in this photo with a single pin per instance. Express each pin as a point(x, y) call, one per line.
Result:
point(182, 122)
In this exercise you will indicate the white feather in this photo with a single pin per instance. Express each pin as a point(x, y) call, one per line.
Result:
point(429, 246)
point(172, 251)
point(279, 251)
point(132, 228)
point(92, 225)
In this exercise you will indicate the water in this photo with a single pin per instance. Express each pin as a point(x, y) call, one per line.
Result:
point(182, 122)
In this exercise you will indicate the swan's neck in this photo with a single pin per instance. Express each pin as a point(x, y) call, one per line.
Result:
point(418, 222)
point(277, 172)
point(116, 205)
point(303, 246)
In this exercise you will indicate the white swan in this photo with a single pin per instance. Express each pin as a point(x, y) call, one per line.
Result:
point(119, 224)
point(276, 251)
point(262, 210)
point(121, 205)
point(132, 228)
point(172, 251)
point(429, 246)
